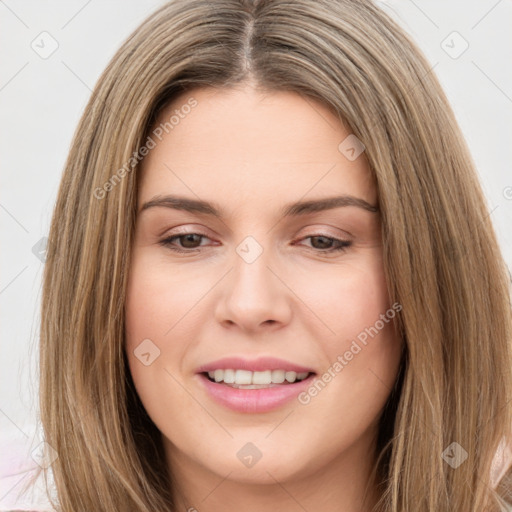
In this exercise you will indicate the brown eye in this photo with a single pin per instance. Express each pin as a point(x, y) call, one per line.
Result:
point(321, 242)
point(190, 241)
point(187, 242)
point(327, 244)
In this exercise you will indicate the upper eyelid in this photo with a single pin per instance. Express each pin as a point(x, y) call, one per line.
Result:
point(315, 232)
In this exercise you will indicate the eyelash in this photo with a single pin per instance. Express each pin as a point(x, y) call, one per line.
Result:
point(343, 245)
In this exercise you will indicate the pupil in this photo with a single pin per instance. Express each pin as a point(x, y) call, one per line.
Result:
point(327, 241)
point(189, 238)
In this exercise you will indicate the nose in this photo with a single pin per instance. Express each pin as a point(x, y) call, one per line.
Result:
point(253, 297)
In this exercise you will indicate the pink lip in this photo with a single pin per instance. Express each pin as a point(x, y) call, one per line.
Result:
point(257, 365)
point(254, 400)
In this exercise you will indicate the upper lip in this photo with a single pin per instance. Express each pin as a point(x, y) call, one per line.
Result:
point(253, 365)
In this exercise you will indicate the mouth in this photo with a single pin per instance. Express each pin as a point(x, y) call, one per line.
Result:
point(250, 392)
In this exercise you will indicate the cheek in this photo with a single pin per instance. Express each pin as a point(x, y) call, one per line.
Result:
point(361, 348)
point(162, 312)
point(369, 343)
point(152, 311)
point(347, 298)
point(158, 298)
point(148, 310)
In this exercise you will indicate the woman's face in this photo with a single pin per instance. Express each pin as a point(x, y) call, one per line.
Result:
point(227, 275)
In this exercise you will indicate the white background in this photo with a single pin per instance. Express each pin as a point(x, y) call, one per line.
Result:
point(41, 101)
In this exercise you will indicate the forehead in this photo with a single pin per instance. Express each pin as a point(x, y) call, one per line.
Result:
point(242, 144)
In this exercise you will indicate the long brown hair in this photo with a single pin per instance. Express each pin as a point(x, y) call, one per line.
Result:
point(442, 260)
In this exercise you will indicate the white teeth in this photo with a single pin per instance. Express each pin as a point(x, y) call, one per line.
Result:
point(290, 376)
point(242, 377)
point(247, 378)
point(229, 376)
point(278, 376)
point(262, 377)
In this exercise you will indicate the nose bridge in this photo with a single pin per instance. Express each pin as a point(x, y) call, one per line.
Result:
point(252, 295)
point(251, 272)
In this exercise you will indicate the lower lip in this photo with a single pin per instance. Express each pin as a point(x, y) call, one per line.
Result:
point(254, 400)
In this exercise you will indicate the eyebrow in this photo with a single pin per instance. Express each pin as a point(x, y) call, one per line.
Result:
point(290, 210)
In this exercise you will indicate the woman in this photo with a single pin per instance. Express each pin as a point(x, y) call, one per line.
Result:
point(272, 279)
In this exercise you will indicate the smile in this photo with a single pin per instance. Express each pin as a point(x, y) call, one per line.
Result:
point(254, 398)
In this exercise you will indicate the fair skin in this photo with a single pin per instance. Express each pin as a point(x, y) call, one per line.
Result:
point(251, 154)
